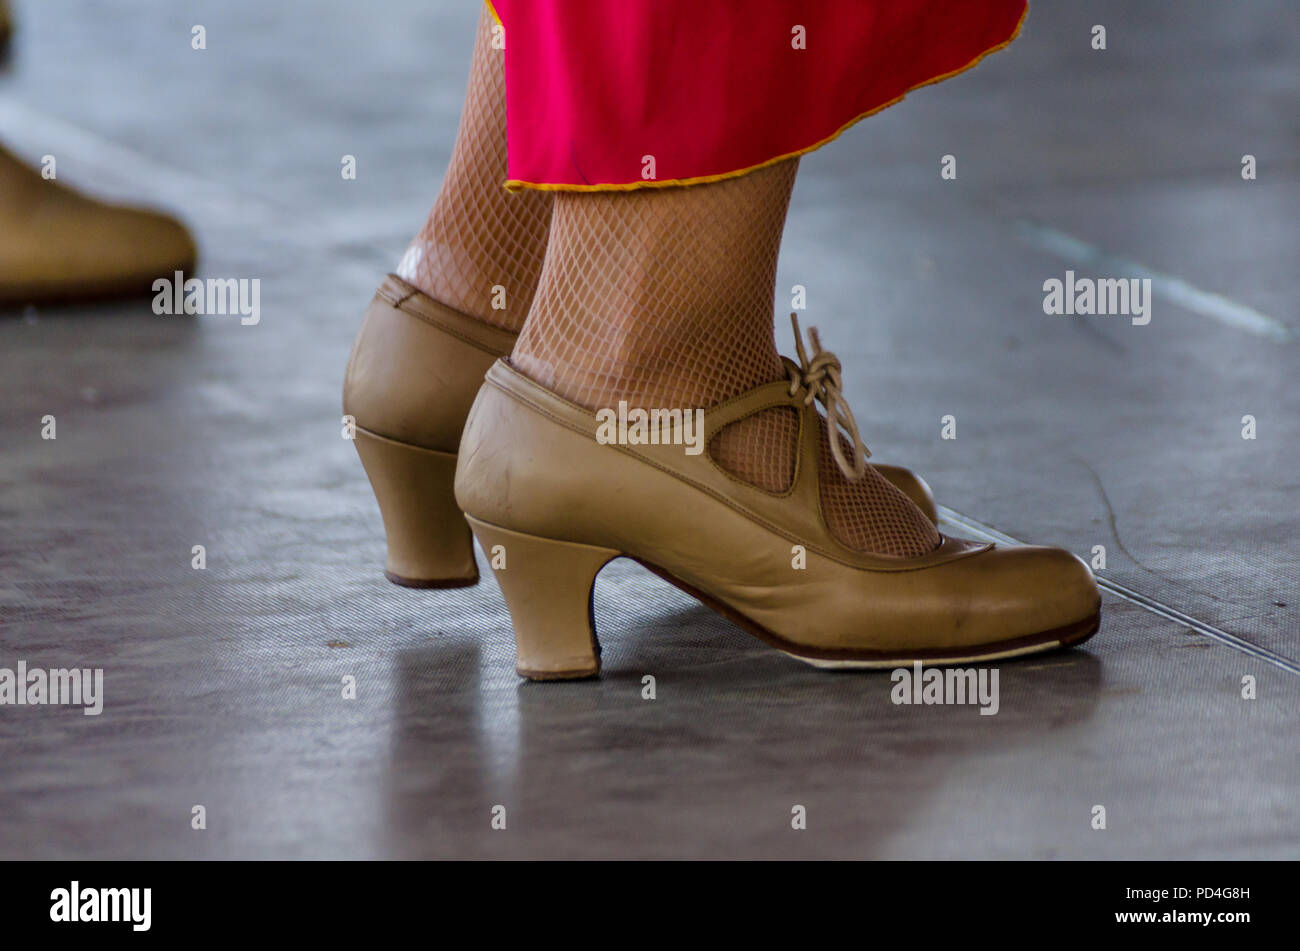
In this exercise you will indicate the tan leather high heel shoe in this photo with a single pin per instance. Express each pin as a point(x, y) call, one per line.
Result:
point(6, 31)
point(58, 245)
point(415, 368)
point(551, 505)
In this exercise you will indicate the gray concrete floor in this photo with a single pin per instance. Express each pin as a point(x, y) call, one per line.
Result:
point(223, 686)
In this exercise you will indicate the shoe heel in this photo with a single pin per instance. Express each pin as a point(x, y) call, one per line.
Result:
point(429, 544)
point(547, 585)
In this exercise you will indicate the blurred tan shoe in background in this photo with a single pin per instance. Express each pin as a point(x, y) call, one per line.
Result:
point(59, 245)
point(6, 29)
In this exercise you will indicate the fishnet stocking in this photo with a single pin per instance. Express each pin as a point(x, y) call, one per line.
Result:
point(478, 235)
point(660, 296)
point(870, 514)
point(663, 297)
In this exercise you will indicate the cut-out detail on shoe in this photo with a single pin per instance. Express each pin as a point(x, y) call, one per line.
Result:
point(869, 514)
point(761, 449)
point(861, 508)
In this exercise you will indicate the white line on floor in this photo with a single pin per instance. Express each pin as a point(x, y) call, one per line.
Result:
point(1216, 307)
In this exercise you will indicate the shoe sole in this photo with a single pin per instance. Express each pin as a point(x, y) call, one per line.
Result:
point(430, 583)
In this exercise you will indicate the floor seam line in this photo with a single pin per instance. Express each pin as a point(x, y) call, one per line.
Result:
point(1133, 596)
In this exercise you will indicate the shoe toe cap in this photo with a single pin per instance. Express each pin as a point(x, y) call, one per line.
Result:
point(1035, 589)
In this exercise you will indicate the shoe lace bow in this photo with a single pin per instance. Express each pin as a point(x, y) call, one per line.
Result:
point(819, 377)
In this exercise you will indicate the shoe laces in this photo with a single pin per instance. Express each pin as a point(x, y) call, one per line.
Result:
point(819, 377)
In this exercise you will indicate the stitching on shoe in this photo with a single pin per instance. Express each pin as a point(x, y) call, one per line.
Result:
point(432, 321)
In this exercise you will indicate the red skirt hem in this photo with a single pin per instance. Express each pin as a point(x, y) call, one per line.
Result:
point(555, 183)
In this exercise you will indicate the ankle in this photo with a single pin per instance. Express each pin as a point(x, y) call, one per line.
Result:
point(638, 358)
point(450, 279)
